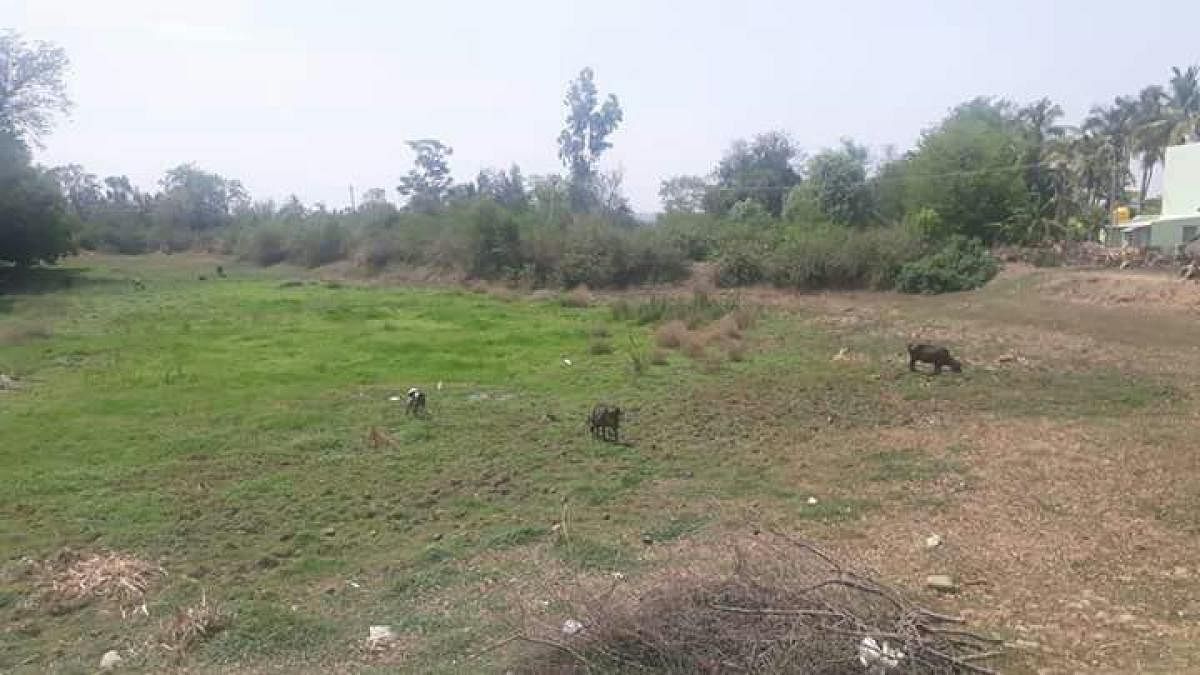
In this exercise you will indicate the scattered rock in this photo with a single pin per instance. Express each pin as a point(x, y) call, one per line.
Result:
point(8, 383)
point(1026, 644)
point(566, 362)
point(933, 541)
point(110, 660)
point(380, 636)
point(842, 355)
point(812, 501)
point(606, 517)
point(571, 627)
point(1005, 358)
point(941, 583)
point(647, 539)
point(329, 531)
point(437, 537)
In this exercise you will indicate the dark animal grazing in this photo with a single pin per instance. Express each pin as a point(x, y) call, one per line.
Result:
point(605, 422)
point(220, 271)
point(138, 285)
point(202, 278)
point(416, 402)
point(938, 356)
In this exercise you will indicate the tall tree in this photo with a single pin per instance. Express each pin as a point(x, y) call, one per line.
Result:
point(196, 200)
point(683, 194)
point(836, 185)
point(428, 183)
point(34, 227)
point(82, 189)
point(1184, 104)
point(970, 169)
point(1115, 124)
point(506, 188)
point(32, 90)
point(585, 138)
point(761, 169)
point(1151, 134)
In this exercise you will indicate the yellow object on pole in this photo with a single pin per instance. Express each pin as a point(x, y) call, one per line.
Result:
point(1122, 214)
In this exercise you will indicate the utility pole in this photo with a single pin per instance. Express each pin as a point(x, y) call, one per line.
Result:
point(352, 206)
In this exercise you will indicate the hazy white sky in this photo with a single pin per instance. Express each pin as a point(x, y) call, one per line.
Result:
point(311, 97)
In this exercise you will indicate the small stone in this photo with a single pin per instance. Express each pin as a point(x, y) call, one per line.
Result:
point(379, 636)
point(110, 660)
point(933, 541)
point(606, 517)
point(647, 539)
point(437, 537)
point(812, 501)
point(329, 531)
point(1026, 644)
point(571, 627)
point(942, 583)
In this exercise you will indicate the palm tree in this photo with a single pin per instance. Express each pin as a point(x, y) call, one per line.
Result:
point(1114, 124)
point(1151, 135)
point(1183, 102)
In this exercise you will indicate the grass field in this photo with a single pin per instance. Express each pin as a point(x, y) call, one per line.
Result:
point(238, 433)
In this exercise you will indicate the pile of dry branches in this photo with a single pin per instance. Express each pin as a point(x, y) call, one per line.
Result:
point(106, 574)
point(784, 607)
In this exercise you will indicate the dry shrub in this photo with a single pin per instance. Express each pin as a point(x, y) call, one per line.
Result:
point(727, 327)
point(736, 351)
point(744, 318)
point(579, 296)
point(658, 357)
point(672, 334)
point(192, 625)
point(694, 345)
point(778, 606)
point(72, 577)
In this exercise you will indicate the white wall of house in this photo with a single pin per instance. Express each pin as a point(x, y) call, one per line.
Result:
point(1181, 181)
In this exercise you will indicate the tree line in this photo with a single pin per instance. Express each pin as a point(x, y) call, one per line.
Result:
point(992, 172)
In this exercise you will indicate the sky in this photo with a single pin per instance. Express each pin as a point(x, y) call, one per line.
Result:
point(313, 97)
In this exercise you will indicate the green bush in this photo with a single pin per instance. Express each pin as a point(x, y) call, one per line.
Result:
point(963, 264)
point(265, 245)
point(318, 244)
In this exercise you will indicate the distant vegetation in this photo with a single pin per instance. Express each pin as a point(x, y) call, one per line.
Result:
point(991, 171)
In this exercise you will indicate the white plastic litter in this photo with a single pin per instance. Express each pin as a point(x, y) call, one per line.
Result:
point(566, 362)
point(395, 398)
point(378, 636)
point(812, 501)
point(933, 541)
point(110, 660)
point(878, 657)
point(571, 627)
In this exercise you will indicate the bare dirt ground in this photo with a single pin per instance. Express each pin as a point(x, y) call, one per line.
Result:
point(1075, 536)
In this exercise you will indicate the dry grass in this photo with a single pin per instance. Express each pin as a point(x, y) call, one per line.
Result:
point(736, 351)
point(726, 327)
point(107, 574)
point(772, 605)
point(192, 625)
point(694, 346)
point(672, 334)
point(579, 296)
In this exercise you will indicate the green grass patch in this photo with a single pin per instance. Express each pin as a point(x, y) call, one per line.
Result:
point(908, 465)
